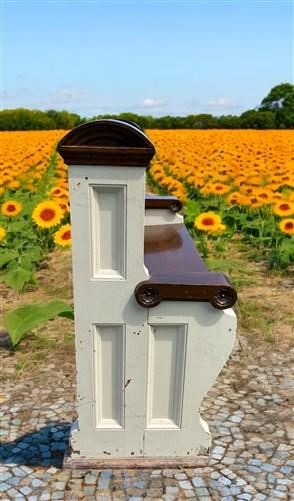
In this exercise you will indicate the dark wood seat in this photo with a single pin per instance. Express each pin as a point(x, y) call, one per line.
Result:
point(177, 271)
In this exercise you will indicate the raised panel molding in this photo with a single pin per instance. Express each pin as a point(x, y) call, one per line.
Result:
point(109, 355)
point(108, 221)
point(166, 367)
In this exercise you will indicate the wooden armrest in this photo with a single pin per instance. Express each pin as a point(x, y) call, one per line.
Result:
point(170, 249)
point(171, 203)
point(177, 271)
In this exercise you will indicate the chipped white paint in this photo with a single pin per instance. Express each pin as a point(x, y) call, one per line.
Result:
point(141, 374)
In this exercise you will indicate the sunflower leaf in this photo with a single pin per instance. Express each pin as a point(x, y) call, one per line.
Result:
point(34, 254)
point(16, 278)
point(22, 320)
point(6, 256)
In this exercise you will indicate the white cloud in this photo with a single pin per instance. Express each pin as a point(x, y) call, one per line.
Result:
point(149, 102)
point(222, 103)
point(219, 101)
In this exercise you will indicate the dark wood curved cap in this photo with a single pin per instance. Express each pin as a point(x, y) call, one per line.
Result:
point(106, 142)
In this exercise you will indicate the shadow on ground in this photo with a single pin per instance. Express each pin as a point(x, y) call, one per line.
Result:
point(44, 447)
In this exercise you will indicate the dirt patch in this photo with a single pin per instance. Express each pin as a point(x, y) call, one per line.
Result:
point(266, 311)
point(53, 280)
point(52, 342)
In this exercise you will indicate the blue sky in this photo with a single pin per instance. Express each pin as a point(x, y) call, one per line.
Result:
point(149, 57)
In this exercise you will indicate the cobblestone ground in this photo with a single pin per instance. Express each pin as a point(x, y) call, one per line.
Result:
point(248, 410)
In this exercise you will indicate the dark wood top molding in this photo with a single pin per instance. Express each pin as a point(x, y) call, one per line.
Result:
point(171, 203)
point(177, 272)
point(106, 142)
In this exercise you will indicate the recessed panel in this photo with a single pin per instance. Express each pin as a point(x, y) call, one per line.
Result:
point(166, 365)
point(108, 231)
point(109, 375)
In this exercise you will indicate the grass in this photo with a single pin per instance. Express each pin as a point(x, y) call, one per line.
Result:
point(236, 270)
point(264, 307)
point(255, 320)
point(42, 345)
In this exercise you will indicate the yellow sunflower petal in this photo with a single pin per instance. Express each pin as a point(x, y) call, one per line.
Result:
point(47, 214)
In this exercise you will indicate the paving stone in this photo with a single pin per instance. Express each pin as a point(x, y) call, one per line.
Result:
point(171, 489)
point(201, 491)
point(45, 496)
point(90, 479)
point(188, 493)
point(185, 484)
point(4, 475)
point(57, 495)
point(36, 482)
point(4, 487)
point(89, 490)
point(198, 482)
point(251, 455)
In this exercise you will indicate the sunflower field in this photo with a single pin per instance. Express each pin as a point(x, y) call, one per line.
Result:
point(235, 185)
point(34, 203)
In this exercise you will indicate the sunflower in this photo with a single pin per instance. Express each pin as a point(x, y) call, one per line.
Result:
point(11, 208)
point(284, 208)
point(13, 185)
point(235, 198)
point(277, 196)
point(287, 226)
point(47, 214)
point(62, 183)
point(220, 188)
point(207, 189)
point(63, 236)
point(63, 205)
point(254, 202)
point(59, 192)
point(2, 233)
point(180, 193)
point(209, 221)
point(265, 195)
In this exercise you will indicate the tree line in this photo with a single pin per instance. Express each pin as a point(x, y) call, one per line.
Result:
point(276, 111)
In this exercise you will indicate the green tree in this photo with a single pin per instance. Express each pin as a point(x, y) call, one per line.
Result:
point(202, 121)
point(276, 97)
point(285, 114)
point(229, 122)
point(23, 119)
point(280, 100)
point(253, 119)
